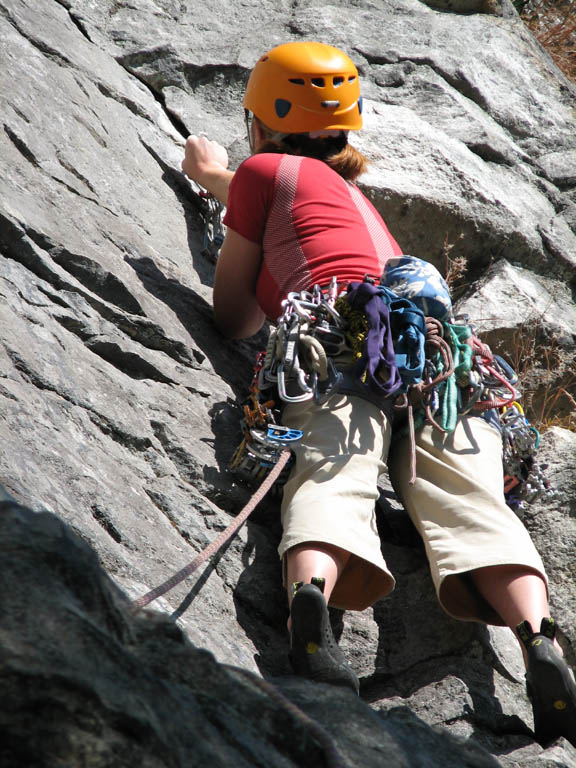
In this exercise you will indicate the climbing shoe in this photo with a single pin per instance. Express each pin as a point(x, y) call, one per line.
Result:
point(314, 651)
point(550, 684)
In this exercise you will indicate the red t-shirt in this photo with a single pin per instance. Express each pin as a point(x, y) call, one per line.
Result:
point(310, 222)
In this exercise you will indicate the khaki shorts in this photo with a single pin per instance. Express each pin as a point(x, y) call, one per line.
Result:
point(457, 503)
point(331, 493)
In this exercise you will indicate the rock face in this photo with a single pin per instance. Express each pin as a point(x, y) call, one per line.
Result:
point(117, 394)
point(126, 690)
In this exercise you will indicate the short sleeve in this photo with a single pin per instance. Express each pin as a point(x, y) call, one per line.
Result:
point(250, 196)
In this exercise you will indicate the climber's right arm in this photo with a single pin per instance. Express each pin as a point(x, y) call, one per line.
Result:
point(236, 310)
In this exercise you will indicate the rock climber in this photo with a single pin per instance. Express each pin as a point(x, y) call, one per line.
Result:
point(295, 218)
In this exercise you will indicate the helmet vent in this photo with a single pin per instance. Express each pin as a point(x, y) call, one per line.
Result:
point(318, 82)
point(331, 104)
point(351, 79)
point(297, 81)
point(337, 81)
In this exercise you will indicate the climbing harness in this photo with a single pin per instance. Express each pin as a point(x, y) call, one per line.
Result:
point(432, 369)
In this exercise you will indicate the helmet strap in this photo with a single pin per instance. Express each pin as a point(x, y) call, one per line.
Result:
point(248, 122)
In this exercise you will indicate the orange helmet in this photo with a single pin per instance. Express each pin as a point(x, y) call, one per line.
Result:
point(303, 87)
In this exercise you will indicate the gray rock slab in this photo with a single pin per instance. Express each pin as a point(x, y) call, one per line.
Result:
point(118, 398)
point(155, 699)
point(510, 298)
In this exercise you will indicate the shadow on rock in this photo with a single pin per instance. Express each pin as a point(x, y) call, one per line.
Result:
point(225, 421)
point(232, 360)
point(193, 210)
point(436, 664)
point(259, 596)
point(93, 683)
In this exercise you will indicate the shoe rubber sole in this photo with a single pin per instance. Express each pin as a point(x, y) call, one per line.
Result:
point(315, 653)
point(553, 692)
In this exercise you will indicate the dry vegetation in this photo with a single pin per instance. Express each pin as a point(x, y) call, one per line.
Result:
point(553, 23)
point(547, 377)
point(546, 371)
point(553, 402)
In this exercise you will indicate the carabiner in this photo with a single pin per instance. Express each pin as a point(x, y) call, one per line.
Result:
point(506, 369)
point(283, 394)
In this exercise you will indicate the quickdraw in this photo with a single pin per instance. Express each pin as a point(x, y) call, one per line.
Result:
point(524, 479)
point(211, 211)
point(300, 349)
point(213, 236)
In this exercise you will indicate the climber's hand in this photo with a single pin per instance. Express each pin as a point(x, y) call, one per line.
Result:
point(206, 162)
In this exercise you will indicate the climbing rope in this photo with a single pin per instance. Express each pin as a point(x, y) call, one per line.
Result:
point(333, 757)
point(212, 548)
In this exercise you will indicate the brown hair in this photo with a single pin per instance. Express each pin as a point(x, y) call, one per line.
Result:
point(335, 151)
